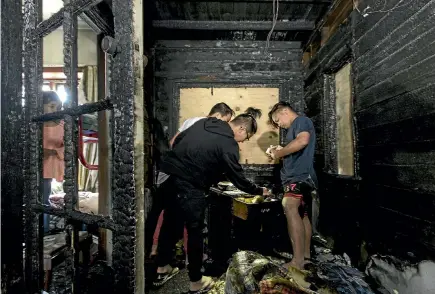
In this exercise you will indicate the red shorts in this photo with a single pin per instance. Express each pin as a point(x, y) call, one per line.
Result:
point(301, 191)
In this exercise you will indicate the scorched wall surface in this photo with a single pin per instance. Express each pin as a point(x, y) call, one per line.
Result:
point(392, 208)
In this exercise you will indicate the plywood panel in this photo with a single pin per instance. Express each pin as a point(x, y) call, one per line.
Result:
point(198, 102)
point(344, 122)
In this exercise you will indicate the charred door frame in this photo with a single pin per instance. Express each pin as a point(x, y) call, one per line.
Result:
point(343, 57)
point(126, 102)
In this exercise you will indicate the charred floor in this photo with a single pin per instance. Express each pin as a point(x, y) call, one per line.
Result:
point(131, 72)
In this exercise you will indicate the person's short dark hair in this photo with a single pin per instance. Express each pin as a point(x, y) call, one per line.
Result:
point(50, 96)
point(222, 108)
point(277, 107)
point(248, 119)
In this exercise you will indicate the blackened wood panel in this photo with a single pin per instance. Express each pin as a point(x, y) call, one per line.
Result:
point(418, 177)
point(407, 201)
point(372, 31)
point(411, 76)
point(404, 154)
point(416, 103)
point(419, 129)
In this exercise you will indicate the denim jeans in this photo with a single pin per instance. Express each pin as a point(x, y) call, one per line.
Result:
point(47, 193)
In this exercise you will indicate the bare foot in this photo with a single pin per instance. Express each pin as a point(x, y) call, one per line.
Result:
point(298, 265)
point(204, 283)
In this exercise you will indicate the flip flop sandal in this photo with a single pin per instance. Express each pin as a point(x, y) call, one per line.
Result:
point(163, 278)
point(204, 290)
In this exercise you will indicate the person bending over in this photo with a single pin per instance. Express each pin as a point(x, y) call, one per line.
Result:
point(220, 111)
point(199, 157)
point(155, 218)
point(297, 176)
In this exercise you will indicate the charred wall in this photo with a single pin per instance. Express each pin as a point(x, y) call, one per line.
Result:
point(208, 64)
point(391, 207)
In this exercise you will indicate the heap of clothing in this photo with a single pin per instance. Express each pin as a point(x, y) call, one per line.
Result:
point(251, 272)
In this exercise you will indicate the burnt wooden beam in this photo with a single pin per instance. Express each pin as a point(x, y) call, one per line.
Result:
point(233, 25)
point(323, 2)
point(70, 186)
point(130, 127)
point(32, 137)
point(45, 27)
point(100, 19)
point(12, 147)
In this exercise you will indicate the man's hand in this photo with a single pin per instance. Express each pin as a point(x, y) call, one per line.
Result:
point(266, 191)
point(273, 152)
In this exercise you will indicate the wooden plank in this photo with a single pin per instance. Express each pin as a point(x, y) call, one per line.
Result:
point(142, 138)
point(130, 126)
point(409, 105)
point(416, 177)
point(198, 102)
point(343, 109)
point(104, 152)
point(298, 25)
point(405, 154)
point(415, 75)
point(419, 129)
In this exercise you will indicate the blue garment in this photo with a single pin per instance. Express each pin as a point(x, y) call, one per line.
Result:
point(299, 166)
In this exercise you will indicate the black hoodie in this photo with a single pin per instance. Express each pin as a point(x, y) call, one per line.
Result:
point(205, 151)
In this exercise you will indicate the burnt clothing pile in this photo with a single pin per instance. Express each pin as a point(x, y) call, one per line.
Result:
point(392, 275)
point(251, 272)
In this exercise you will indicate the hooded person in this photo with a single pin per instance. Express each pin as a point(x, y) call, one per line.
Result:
point(155, 216)
point(200, 155)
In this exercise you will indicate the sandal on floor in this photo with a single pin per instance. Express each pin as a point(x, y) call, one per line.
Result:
point(203, 290)
point(163, 278)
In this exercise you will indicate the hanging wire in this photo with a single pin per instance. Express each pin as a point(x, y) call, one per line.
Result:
point(367, 11)
point(275, 18)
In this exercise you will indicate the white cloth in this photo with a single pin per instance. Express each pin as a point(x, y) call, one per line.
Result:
point(188, 123)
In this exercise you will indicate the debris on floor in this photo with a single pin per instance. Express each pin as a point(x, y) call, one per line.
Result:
point(396, 276)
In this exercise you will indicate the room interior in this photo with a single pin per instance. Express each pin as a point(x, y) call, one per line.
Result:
point(361, 70)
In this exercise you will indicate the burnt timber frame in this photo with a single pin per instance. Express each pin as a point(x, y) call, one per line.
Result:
point(11, 151)
point(130, 132)
point(234, 25)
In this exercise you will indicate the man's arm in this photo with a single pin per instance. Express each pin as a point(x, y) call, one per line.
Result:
point(234, 172)
point(301, 141)
point(302, 130)
point(171, 142)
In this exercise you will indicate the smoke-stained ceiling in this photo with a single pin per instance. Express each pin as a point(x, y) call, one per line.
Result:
point(235, 20)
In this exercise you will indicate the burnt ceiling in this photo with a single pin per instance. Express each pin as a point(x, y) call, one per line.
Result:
point(233, 20)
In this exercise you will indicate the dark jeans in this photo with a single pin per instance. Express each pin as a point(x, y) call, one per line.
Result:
point(185, 205)
point(47, 193)
point(158, 197)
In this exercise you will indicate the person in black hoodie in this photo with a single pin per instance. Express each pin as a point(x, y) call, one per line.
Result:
point(199, 157)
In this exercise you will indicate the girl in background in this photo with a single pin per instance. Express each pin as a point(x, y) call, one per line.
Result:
point(53, 163)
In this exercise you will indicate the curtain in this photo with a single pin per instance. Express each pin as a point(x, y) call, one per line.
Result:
point(88, 179)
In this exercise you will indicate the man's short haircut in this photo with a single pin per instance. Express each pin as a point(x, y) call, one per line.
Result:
point(277, 107)
point(248, 120)
point(223, 109)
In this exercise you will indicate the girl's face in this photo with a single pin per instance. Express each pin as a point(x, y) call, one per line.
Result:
point(51, 106)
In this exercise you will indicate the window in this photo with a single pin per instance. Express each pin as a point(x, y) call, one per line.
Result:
point(344, 122)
